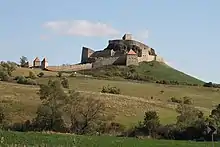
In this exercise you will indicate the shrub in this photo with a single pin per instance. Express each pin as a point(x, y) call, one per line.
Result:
point(41, 74)
point(65, 82)
point(32, 75)
point(113, 90)
point(4, 76)
point(187, 100)
point(27, 81)
point(175, 100)
point(59, 74)
point(73, 74)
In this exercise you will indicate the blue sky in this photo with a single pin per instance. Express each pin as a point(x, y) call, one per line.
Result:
point(184, 32)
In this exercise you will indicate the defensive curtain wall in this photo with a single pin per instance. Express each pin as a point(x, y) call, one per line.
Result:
point(75, 67)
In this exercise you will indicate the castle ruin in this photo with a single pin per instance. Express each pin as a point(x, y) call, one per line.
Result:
point(125, 51)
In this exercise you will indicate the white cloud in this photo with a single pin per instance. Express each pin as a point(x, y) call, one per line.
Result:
point(81, 28)
point(142, 35)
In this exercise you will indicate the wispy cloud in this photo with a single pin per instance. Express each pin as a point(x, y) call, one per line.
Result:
point(142, 35)
point(81, 28)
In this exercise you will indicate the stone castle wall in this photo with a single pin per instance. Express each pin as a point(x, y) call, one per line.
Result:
point(131, 42)
point(115, 60)
point(75, 67)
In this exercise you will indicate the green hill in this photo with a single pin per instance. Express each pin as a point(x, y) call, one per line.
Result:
point(146, 71)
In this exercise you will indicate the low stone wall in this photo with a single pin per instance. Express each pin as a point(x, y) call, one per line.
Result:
point(75, 67)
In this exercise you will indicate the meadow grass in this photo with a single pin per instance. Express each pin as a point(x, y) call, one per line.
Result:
point(64, 140)
point(21, 101)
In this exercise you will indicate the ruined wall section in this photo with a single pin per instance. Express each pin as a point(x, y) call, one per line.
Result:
point(130, 42)
point(75, 67)
point(103, 53)
point(115, 60)
point(86, 53)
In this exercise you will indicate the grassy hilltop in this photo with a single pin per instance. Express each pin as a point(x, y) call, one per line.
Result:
point(146, 71)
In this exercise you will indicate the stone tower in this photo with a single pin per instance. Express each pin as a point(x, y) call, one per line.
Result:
point(86, 53)
point(44, 63)
point(131, 58)
point(127, 37)
point(36, 62)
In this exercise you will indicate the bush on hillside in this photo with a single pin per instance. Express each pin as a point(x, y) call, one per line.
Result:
point(59, 74)
point(41, 74)
point(4, 76)
point(65, 82)
point(32, 75)
point(187, 100)
point(26, 81)
point(175, 100)
point(112, 90)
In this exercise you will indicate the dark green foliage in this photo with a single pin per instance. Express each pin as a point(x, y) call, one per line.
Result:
point(86, 114)
point(187, 100)
point(65, 82)
point(2, 115)
point(59, 74)
point(184, 100)
point(112, 90)
point(175, 100)
point(26, 81)
point(210, 84)
point(41, 74)
point(49, 114)
point(151, 122)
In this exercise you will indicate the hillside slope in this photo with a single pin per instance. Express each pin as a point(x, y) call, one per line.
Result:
point(146, 71)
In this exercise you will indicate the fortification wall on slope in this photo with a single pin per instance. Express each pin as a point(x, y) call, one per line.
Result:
point(75, 67)
point(116, 60)
point(159, 59)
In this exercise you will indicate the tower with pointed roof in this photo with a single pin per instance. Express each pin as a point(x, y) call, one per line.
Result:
point(36, 63)
point(131, 58)
point(44, 63)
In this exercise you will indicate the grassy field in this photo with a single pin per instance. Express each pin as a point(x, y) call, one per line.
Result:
point(61, 140)
point(21, 101)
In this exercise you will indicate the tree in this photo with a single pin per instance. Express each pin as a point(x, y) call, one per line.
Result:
point(49, 114)
point(151, 122)
point(188, 116)
point(9, 67)
point(215, 116)
point(86, 114)
point(23, 61)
